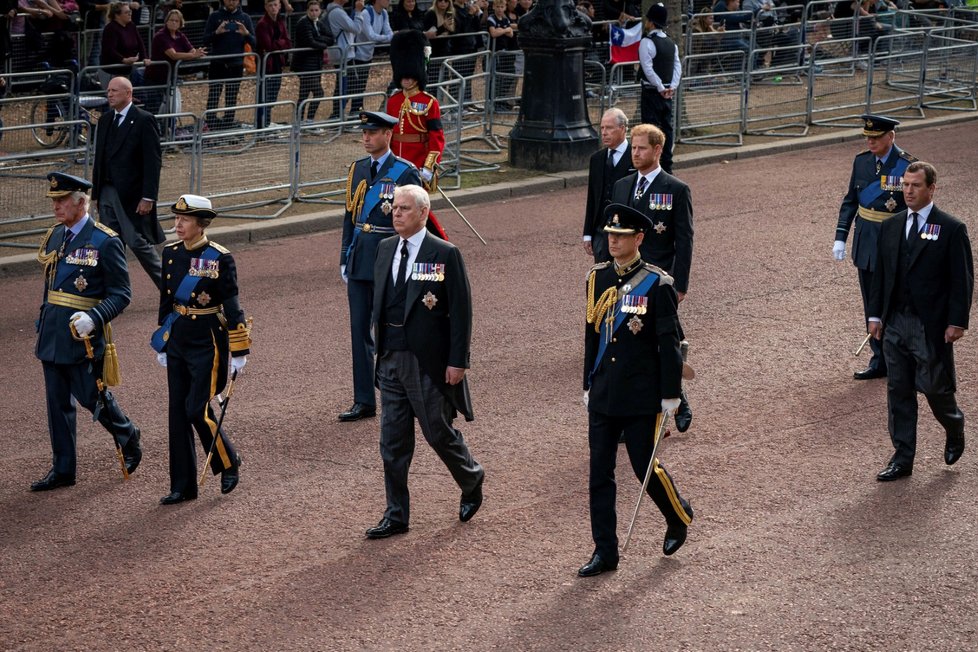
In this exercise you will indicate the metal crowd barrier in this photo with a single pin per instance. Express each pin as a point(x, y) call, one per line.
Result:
point(837, 94)
point(711, 105)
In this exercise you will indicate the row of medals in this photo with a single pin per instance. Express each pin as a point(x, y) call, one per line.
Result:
point(634, 304)
point(428, 272)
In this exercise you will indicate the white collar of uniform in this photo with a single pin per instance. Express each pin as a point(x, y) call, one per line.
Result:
point(414, 242)
point(650, 177)
point(922, 214)
point(658, 31)
point(620, 150)
point(124, 112)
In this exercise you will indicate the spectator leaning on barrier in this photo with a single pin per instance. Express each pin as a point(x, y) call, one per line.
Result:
point(169, 46)
point(122, 45)
point(272, 34)
point(773, 34)
point(309, 33)
point(439, 25)
point(53, 18)
point(733, 25)
point(503, 44)
point(466, 42)
point(345, 29)
point(227, 31)
point(376, 30)
point(407, 15)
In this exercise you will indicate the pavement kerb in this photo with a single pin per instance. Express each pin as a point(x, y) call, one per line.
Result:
point(544, 182)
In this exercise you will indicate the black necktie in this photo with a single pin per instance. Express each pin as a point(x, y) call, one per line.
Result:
point(118, 120)
point(401, 278)
point(609, 166)
point(373, 171)
point(64, 243)
point(879, 166)
point(642, 184)
point(914, 227)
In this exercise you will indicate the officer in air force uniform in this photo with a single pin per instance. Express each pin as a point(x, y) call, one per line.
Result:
point(874, 196)
point(87, 286)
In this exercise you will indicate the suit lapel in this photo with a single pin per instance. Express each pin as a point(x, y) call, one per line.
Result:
point(919, 244)
point(624, 163)
point(426, 254)
point(122, 131)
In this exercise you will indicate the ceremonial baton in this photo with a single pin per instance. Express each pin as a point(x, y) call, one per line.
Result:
point(859, 349)
point(224, 410)
point(660, 425)
point(100, 403)
point(467, 223)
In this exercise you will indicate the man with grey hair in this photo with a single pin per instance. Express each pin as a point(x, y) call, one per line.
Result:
point(86, 286)
point(422, 315)
point(609, 164)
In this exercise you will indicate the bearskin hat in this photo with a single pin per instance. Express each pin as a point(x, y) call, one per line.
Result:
point(408, 58)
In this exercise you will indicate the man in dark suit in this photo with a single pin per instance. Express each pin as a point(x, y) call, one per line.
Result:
point(874, 196)
point(369, 193)
point(919, 304)
point(632, 372)
point(666, 201)
point(126, 177)
point(422, 313)
point(607, 166)
point(86, 285)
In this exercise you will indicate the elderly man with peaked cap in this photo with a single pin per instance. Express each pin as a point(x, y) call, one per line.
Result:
point(202, 330)
point(632, 371)
point(86, 286)
point(369, 201)
point(874, 196)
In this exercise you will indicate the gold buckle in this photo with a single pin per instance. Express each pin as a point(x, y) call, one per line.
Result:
point(367, 228)
point(182, 310)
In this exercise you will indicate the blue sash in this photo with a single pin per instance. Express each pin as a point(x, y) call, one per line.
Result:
point(640, 289)
point(372, 198)
point(871, 192)
point(162, 334)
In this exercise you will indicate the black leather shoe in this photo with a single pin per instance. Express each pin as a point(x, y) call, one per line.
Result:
point(596, 566)
point(894, 471)
point(953, 449)
point(386, 528)
point(177, 497)
point(869, 373)
point(471, 502)
point(53, 480)
point(684, 415)
point(675, 538)
point(230, 477)
point(358, 411)
point(132, 453)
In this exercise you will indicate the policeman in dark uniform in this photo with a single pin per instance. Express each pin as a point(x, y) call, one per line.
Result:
point(874, 195)
point(87, 286)
point(632, 372)
point(369, 202)
point(661, 70)
point(201, 325)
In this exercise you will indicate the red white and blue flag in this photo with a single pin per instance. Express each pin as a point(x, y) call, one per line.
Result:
point(624, 43)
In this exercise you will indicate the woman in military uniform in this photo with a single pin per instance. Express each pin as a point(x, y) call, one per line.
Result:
point(201, 325)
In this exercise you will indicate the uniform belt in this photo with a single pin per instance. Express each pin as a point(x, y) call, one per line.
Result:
point(394, 325)
point(184, 310)
point(874, 216)
point(373, 228)
point(408, 138)
point(68, 300)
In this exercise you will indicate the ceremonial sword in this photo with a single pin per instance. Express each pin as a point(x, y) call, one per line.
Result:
point(224, 410)
point(455, 208)
point(660, 425)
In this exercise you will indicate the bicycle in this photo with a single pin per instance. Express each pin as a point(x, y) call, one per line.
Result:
point(47, 114)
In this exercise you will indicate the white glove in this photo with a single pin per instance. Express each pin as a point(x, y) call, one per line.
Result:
point(161, 358)
point(670, 405)
point(426, 174)
point(586, 398)
point(83, 323)
point(343, 274)
point(839, 250)
point(238, 363)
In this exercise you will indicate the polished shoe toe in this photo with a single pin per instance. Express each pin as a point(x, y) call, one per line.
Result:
point(869, 373)
point(470, 503)
point(597, 565)
point(684, 415)
point(894, 471)
point(953, 449)
point(386, 528)
point(358, 411)
point(675, 538)
point(177, 497)
point(53, 480)
point(132, 453)
point(230, 477)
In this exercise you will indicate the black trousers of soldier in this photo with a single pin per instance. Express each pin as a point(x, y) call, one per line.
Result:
point(191, 374)
point(875, 345)
point(63, 384)
point(657, 110)
point(603, 432)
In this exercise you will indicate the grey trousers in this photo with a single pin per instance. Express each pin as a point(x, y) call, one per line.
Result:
point(406, 394)
point(113, 215)
point(916, 364)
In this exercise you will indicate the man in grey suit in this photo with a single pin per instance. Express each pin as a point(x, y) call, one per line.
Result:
point(422, 315)
point(919, 304)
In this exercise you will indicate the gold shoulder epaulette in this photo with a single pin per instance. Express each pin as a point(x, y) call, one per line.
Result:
point(174, 245)
point(908, 156)
point(664, 277)
point(105, 229)
point(223, 250)
point(598, 266)
point(864, 152)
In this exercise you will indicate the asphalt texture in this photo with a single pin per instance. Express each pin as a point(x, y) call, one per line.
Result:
point(794, 546)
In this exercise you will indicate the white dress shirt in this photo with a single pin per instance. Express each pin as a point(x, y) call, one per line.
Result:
point(414, 245)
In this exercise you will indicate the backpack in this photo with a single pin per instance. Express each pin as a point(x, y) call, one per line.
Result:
point(328, 34)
